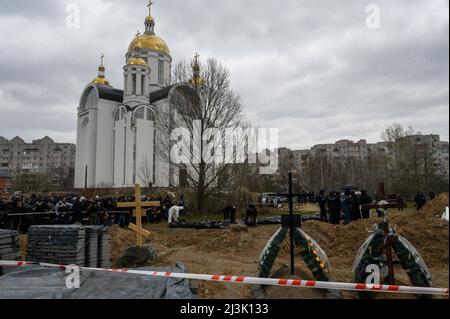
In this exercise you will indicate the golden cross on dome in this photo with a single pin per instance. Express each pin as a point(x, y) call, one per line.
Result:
point(101, 58)
point(150, 3)
point(138, 33)
point(196, 57)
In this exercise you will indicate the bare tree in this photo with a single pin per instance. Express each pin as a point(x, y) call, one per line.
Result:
point(32, 182)
point(145, 172)
point(200, 101)
point(411, 166)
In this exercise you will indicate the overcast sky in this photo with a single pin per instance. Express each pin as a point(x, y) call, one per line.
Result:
point(311, 68)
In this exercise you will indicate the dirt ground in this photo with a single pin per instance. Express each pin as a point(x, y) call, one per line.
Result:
point(236, 251)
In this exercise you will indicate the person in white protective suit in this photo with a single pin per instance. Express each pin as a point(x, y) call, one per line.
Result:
point(174, 213)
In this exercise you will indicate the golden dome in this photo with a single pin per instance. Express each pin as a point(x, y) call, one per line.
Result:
point(149, 41)
point(100, 80)
point(149, 19)
point(136, 61)
point(197, 80)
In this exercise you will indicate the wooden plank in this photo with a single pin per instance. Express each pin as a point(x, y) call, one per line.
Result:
point(133, 204)
point(138, 213)
point(140, 231)
point(143, 212)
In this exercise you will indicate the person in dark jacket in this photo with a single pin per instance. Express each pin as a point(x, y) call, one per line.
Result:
point(321, 200)
point(347, 206)
point(334, 208)
point(420, 200)
point(251, 215)
point(364, 200)
point(400, 200)
point(92, 212)
point(229, 213)
point(356, 210)
point(77, 212)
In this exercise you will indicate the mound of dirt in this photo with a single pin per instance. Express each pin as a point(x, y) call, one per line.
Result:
point(436, 207)
point(428, 233)
point(123, 238)
point(231, 240)
point(239, 228)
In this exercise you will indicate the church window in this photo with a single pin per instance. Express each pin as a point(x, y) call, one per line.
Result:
point(143, 85)
point(150, 115)
point(139, 113)
point(121, 114)
point(160, 72)
point(133, 83)
point(89, 99)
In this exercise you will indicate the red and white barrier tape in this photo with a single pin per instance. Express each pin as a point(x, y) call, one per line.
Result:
point(256, 281)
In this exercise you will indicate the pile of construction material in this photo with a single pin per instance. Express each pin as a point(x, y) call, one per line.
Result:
point(69, 245)
point(98, 247)
point(9, 245)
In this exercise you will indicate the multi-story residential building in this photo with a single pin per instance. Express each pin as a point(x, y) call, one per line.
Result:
point(301, 160)
point(438, 151)
point(43, 156)
point(346, 149)
point(444, 150)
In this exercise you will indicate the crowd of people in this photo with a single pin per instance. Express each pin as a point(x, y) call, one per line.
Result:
point(97, 210)
point(335, 205)
point(348, 205)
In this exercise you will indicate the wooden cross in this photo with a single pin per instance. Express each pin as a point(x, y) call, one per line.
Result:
point(138, 206)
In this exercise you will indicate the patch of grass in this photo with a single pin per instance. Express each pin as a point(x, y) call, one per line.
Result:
point(201, 217)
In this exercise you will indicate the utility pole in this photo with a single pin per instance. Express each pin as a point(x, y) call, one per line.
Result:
point(85, 177)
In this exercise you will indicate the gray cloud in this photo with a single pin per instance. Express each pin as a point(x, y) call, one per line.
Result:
point(310, 68)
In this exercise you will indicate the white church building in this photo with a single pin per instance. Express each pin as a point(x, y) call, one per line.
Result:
point(116, 132)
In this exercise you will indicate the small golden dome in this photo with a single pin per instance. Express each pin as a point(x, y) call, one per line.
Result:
point(149, 19)
point(197, 80)
point(150, 42)
point(136, 61)
point(100, 80)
